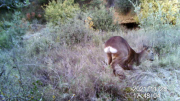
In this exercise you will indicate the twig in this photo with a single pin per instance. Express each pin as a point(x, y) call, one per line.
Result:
point(2, 5)
point(2, 73)
point(17, 97)
point(17, 66)
point(2, 70)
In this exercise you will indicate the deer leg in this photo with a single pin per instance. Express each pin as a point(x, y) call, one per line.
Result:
point(123, 64)
point(127, 66)
point(109, 58)
point(116, 61)
point(113, 64)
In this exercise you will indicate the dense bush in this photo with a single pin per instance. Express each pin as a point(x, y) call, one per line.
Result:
point(40, 44)
point(166, 11)
point(60, 11)
point(95, 3)
point(11, 31)
point(10, 4)
point(74, 31)
point(103, 19)
point(84, 4)
point(15, 82)
point(164, 40)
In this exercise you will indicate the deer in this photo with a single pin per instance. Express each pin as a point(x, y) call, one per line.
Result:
point(119, 52)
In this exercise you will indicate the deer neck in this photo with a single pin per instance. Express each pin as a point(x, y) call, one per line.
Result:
point(134, 57)
point(139, 57)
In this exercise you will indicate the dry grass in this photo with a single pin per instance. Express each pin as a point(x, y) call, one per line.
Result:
point(78, 71)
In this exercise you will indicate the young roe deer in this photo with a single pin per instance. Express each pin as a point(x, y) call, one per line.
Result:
point(119, 52)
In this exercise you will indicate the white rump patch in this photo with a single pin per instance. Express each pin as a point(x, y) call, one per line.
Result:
point(110, 49)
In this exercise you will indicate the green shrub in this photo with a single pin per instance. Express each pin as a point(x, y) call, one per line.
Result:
point(165, 40)
point(88, 3)
point(60, 11)
point(4, 43)
point(70, 33)
point(16, 75)
point(96, 3)
point(74, 31)
point(166, 11)
point(10, 4)
point(12, 31)
point(40, 44)
point(103, 19)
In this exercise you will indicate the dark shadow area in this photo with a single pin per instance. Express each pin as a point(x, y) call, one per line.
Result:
point(130, 26)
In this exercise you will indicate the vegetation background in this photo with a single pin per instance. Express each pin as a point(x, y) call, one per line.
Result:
point(52, 50)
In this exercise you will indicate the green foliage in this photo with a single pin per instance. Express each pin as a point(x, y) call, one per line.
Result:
point(88, 3)
point(96, 3)
point(40, 44)
point(163, 12)
point(11, 4)
point(11, 32)
point(14, 77)
point(73, 32)
point(6, 15)
point(103, 19)
point(4, 43)
point(165, 41)
point(60, 11)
